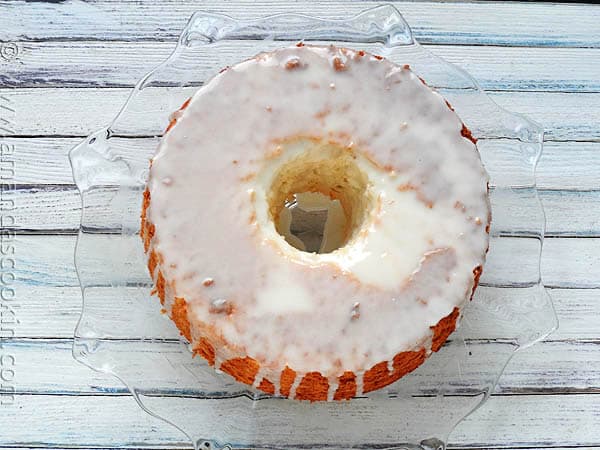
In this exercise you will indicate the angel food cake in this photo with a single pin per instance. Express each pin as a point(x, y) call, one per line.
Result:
point(404, 251)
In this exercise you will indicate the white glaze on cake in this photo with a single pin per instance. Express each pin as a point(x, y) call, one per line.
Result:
point(408, 265)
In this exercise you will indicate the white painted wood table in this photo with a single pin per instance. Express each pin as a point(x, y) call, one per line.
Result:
point(67, 67)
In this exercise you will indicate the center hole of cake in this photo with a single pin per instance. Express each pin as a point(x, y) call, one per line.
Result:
point(319, 198)
point(313, 222)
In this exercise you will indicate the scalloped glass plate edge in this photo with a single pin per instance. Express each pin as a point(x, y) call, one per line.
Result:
point(99, 161)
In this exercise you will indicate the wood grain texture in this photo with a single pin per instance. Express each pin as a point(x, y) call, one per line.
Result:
point(80, 111)
point(140, 447)
point(569, 165)
point(566, 367)
point(48, 260)
point(432, 22)
point(86, 64)
point(43, 161)
point(453, 447)
point(64, 51)
point(57, 209)
point(544, 421)
point(50, 312)
point(570, 263)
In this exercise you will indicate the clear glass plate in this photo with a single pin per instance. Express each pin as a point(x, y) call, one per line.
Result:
point(122, 331)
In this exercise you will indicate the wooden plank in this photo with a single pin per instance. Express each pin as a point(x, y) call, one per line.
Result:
point(452, 447)
point(586, 447)
point(85, 64)
point(578, 311)
point(79, 447)
point(48, 261)
point(543, 421)
point(44, 161)
point(543, 369)
point(569, 263)
point(45, 260)
point(571, 213)
point(47, 112)
point(498, 419)
point(549, 367)
point(84, 421)
point(569, 165)
point(557, 112)
point(80, 111)
point(507, 69)
point(83, 447)
point(52, 312)
point(49, 312)
point(563, 166)
point(455, 23)
point(58, 209)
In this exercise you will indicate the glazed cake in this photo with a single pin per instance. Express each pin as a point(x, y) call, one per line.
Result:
point(412, 223)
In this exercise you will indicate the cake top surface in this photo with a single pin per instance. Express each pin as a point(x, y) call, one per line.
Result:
point(359, 129)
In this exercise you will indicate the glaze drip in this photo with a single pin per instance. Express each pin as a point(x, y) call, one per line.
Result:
point(353, 127)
